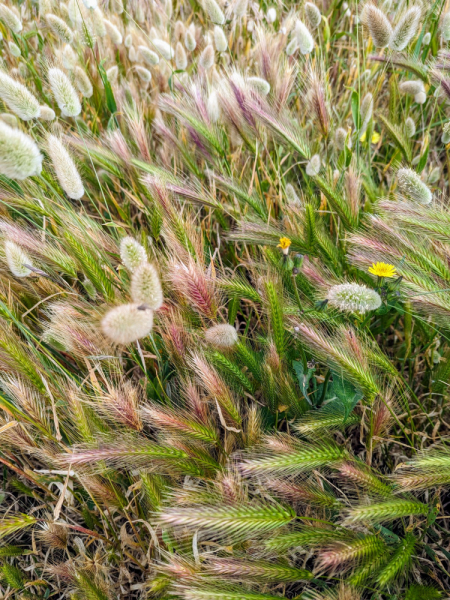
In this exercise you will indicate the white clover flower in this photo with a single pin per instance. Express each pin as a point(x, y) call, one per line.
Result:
point(64, 93)
point(127, 323)
point(65, 169)
point(19, 155)
point(132, 254)
point(17, 98)
point(17, 260)
point(221, 336)
point(352, 297)
point(410, 184)
point(146, 286)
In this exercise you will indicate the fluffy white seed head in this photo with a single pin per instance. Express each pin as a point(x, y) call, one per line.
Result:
point(47, 113)
point(65, 168)
point(75, 12)
point(10, 18)
point(189, 41)
point(411, 186)
point(82, 82)
point(144, 74)
point(132, 254)
point(9, 119)
point(14, 49)
point(17, 260)
point(445, 27)
point(378, 25)
point(127, 323)
point(410, 127)
point(313, 15)
point(146, 286)
point(45, 6)
point(206, 59)
point(128, 40)
point(113, 32)
point(366, 110)
point(17, 98)
point(213, 107)
point(220, 39)
point(305, 40)
point(352, 297)
point(291, 196)
point(214, 11)
point(434, 176)
point(98, 22)
point(148, 56)
point(91, 4)
point(180, 57)
point(406, 28)
point(64, 93)
point(340, 138)
point(240, 8)
point(271, 15)
point(112, 73)
point(412, 87)
point(446, 133)
point(163, 48)
point(313, 167)
point(221, 336)
point(19, 155)
point(69, 58)
point(426, 39)
point(420, 98)
point(292, 46)
point(59, 28)
point(259, 84)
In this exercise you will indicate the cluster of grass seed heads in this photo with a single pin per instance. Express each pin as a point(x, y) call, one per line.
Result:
point(411, 186)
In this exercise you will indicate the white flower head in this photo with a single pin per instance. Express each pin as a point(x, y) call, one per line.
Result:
point(221, 336)
point(64, 93)
point(132, 253)
point(127, 323)
point(65, 168)
point(19, 155)
point(411, 186)
point(17, 98)
point(146, 286)
point(352, 297)
point(17, 259)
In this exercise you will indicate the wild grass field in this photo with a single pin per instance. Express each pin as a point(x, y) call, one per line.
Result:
point(224, 300)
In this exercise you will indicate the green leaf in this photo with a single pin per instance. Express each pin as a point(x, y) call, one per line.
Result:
point(110, 100)
point(346, 394)
point(355, 110)
point(303, 379)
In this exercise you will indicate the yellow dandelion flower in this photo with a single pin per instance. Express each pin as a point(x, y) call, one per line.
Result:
point(382, 270)
point(284, 243)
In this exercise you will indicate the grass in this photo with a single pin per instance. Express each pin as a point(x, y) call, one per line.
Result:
point(263, 412)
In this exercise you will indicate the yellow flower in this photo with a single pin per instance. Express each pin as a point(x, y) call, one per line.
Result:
point(375, 137)
point(382, 270)
point(284, 243)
